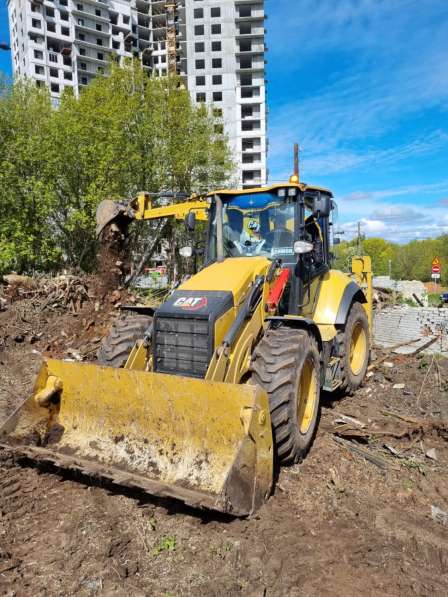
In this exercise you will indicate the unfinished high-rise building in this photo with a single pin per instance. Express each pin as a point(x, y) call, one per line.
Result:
point(217, 46)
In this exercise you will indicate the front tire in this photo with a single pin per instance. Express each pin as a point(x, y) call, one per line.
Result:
point(354, 349)
point(287, 365)
point(116, 347)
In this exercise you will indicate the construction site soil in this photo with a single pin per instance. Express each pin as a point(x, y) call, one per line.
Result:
point(365, 513)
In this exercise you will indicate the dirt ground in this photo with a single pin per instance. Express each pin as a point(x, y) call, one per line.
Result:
point(343, 522)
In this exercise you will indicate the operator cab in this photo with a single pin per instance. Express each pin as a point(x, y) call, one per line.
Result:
point(269, 222)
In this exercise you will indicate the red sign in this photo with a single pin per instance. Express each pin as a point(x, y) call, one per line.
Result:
point(436, 265)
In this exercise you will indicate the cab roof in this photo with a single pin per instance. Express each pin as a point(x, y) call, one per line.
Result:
point(302, 186)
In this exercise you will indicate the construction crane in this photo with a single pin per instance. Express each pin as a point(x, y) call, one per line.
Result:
point(171, 36)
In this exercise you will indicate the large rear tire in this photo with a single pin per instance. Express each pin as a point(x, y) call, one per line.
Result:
point(354, 349)
point(116, 347)
point(287, 365)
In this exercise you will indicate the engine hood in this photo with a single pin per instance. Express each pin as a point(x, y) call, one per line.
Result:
point(231, 275)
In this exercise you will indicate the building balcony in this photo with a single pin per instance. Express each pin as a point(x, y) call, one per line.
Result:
point(97, 3)
point(90, 15)
point(89, 44)
point(92, 59)
point(91, 30)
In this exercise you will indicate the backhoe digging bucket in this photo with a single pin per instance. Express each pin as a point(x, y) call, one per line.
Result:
point(208, 444)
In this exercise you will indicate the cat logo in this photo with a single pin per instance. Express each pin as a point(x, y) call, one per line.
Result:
point(191, 303)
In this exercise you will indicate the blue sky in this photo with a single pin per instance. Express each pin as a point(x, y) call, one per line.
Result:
point(362, 85)
point(5, 57)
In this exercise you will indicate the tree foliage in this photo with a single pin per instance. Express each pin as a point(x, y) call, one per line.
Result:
point(411, 261)
point(126, 132)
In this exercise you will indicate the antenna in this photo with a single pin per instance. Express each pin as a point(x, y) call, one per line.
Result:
point(296, 161)
point(295, 178)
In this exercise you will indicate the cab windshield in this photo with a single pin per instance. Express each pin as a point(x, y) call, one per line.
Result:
point(255, 224)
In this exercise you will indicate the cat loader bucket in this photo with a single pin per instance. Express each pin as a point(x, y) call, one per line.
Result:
point(208, 444)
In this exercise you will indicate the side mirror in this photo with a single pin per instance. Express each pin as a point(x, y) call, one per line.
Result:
point(190, 221)
point(302, 246)
point(322, 205)
point(186, 252)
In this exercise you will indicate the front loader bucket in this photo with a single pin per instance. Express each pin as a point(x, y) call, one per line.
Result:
point(208, 444)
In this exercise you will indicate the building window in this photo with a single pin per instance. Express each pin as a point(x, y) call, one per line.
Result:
point(100, 56)
point(200, 64)
point(215, 12)
point(66, 31)
point(52, 57)
point(201, 97)
point(115, 45)
point(83, 66)
point(247, 144)
point(198, 13)
point(54, 72)
point(219, 129)
point(216, 29)
point(81, 36)
point(49, 11)
point(82, 51)
point(217, 62)
point(38, 55)
point(217, 112)
point(245, 11)
point(199, 30)
point(55, 88)
point(34, 8)
point(51, 27)
point(126, 19)
point(99, 41)
point(63, 2)
point(217, 96)
point(245, 28)
point(97, 12)
point(39, 70)
point(200, 81)
point(84, 80)
point(81, 22)
point(68, 76)
point(99, 27)
point(35, 23)
point(80, 7)
point(64, 16)
point(199, 46)
point(246, 45)
point(217, 79)
point(216, 46)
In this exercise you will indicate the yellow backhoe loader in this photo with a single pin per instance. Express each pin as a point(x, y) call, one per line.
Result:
point(200, 398)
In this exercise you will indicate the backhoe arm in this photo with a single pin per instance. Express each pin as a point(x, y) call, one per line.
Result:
point(141, 208)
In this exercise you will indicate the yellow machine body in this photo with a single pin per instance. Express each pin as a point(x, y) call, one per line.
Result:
point(204, 438)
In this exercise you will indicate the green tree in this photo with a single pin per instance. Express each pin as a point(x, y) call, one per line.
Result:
point(127, 132)
point(26, 242)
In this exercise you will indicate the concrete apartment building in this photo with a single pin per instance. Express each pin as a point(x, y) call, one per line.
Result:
point(219, 51)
